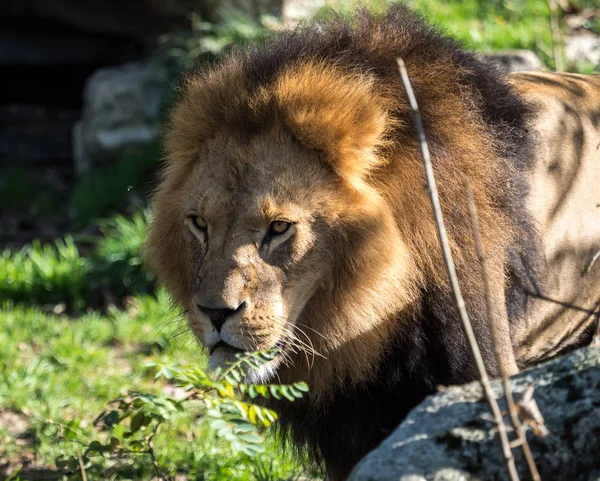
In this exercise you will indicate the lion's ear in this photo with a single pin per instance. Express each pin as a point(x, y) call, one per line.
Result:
point(334, 112)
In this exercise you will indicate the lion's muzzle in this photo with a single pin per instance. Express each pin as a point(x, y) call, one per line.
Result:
point(219, 315)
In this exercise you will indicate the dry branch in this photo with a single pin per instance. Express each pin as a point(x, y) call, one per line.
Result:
point(81, 467)
point(508, 394)
point(509, 460)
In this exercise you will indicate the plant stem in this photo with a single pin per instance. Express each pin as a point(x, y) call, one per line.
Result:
point(509, 460)
point(508, 394)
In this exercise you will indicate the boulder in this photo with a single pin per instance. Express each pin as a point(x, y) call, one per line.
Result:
point(121, 111)
point(583, 48)
point(514, 60)
point(290, 11)
point(450, 436)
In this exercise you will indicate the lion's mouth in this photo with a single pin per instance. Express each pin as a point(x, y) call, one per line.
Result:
point(224, 345)
point(222, 354)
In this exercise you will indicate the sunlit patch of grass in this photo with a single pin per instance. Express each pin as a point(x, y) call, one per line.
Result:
point(45, 274)
point(480, 24)
point(58, 274)
point(61, 372)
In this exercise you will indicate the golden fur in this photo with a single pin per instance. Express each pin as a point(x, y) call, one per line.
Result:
point(355, 292)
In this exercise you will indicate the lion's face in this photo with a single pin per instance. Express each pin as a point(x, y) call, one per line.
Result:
point(270, 229)
point(257, 222)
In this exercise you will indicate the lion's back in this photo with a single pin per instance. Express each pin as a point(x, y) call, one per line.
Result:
point(564, 202)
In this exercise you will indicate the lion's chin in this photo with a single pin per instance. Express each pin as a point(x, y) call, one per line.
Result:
point(264, 373)
point(223, 354)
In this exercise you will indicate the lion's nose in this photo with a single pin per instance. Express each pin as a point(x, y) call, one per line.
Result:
point(218, 316)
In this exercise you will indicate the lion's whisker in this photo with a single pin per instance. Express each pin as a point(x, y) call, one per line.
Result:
point(298, 323)
point(292, 340)
point(167, 322)
point(308, 344)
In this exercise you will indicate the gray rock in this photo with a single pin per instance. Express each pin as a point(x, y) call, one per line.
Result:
point(290, 11)
point(450, 436)
point(121, 111)
point(583, 48)
point(295, 10)
point(514, 60)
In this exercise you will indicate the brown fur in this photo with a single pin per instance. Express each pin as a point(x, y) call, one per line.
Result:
point(315, 128)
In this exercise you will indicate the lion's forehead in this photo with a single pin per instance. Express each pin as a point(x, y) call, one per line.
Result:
point(292, 188)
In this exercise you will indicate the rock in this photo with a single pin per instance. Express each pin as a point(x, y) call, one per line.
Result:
point(121, 111)
point(514, 60)
point(295, 10)
point(290, 11)
point(583, 48)
point(450, 436)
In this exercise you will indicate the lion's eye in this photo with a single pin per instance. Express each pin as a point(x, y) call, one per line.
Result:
point(279, 227)
point(199, 223)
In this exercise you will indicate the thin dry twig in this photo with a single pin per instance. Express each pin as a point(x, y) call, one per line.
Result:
point(509, 460)
point(81, 467)
point(150, 451)
point(508, 394)
point(530, 413)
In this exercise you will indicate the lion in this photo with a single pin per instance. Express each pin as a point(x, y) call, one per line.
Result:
point(293, 213)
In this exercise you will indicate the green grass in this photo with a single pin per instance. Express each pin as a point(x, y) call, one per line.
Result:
point(60, 373)
point(483, 24)
point(487, 25)
point(478, 24)
point(111, 187)
point(45, 274)
point(59, 274)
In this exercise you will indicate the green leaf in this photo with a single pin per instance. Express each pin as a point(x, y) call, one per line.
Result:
point(252, 391)
point(70, 435)
point(262, 390)
point(242, 408)
point(285, 391)
point(98, 447)
point(252, 449)
point(244, 427)
point(137, 444)
point(63, 461)
point(236, 374)
point(250, 438)
point(270, 415)
point(301, 386)
point(217, 424)
point(111, 419)
point(275, 392)
point(214, 413)
point(137, 422)
point(252, 415)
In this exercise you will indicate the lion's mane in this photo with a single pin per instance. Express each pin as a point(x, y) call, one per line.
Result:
point(335, 87)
